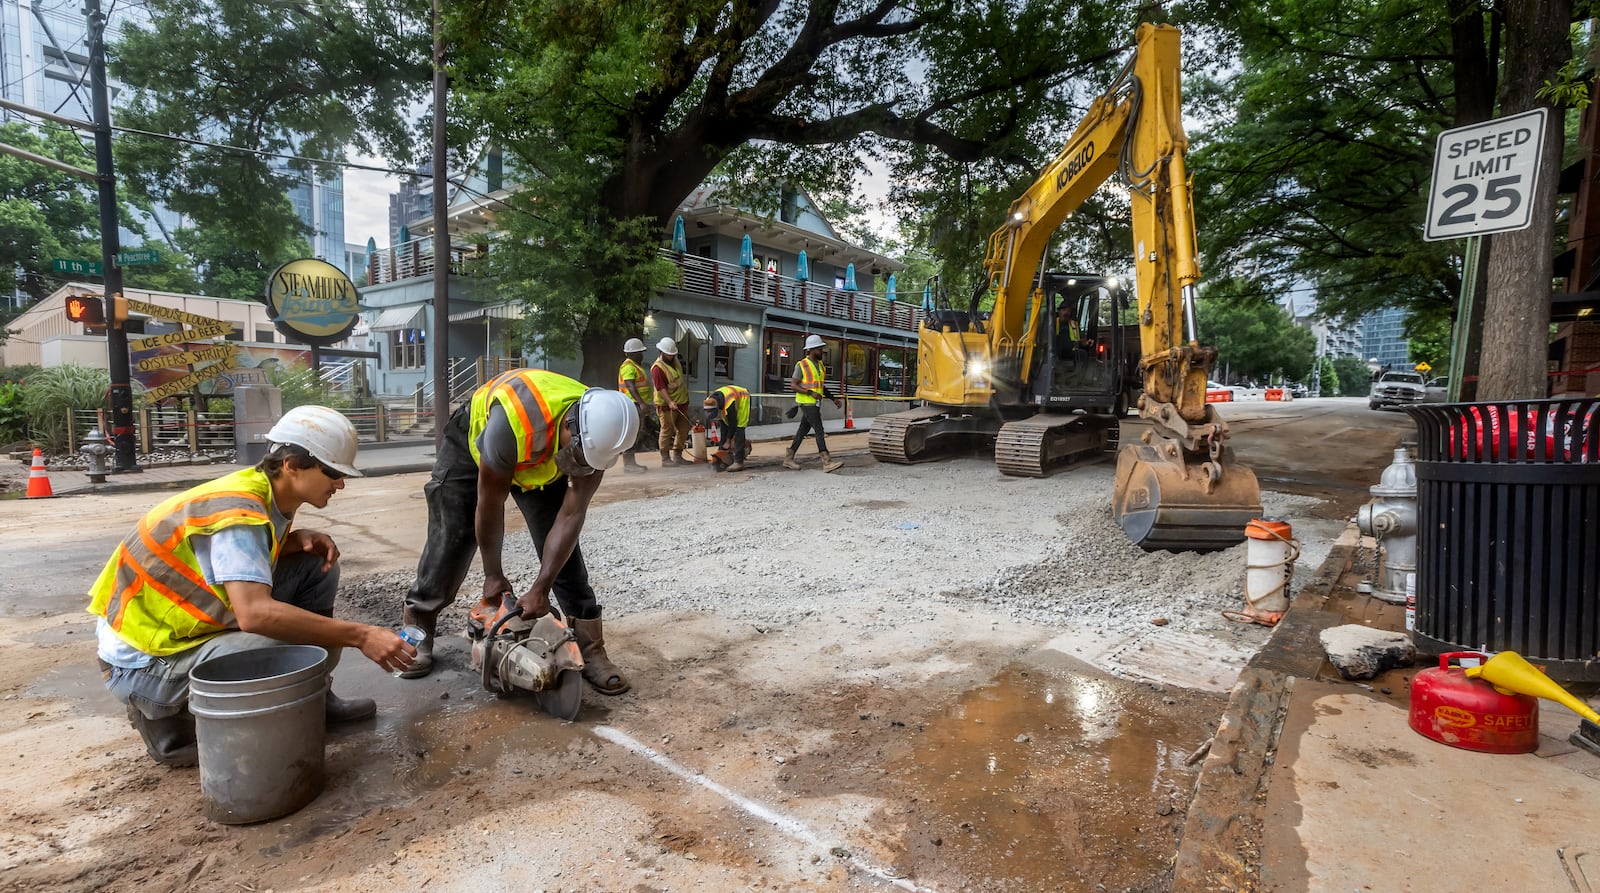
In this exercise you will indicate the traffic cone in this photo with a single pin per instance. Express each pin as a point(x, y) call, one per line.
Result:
point(38, 481)
point(849, 416)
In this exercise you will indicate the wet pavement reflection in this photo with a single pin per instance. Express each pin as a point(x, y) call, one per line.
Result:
point(1049, 779)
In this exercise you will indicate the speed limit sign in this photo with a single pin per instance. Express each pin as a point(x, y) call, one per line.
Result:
point(1484, 176)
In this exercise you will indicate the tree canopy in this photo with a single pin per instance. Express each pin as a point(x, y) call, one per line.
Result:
point(1254, 338)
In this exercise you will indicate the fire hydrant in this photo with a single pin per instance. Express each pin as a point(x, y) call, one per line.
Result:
point(1391, 519)
point(96, 449)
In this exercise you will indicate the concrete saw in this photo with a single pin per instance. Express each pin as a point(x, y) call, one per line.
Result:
point(541, 656)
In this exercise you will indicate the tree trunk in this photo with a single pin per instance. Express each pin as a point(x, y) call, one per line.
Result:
point(1516, 315)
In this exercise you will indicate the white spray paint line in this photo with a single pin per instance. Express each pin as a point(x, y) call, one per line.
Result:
point(791, 827)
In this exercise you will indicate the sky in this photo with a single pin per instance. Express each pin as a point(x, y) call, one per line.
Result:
point(366, 204)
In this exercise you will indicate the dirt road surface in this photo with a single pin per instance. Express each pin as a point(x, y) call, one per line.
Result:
point(926, 678)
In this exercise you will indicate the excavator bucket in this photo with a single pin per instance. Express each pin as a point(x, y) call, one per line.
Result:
point(1165, 499)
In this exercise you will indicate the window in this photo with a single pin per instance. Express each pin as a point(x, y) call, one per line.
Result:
point(264, 334)
point(891, 370)
point(408, 349)
point(689, 355)
point(781, 352)
point(859, 359)
point(722, 360)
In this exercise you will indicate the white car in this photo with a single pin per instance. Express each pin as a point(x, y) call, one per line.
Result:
point(1396, 388)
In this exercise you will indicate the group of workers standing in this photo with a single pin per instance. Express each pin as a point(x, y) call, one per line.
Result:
point(220, 568)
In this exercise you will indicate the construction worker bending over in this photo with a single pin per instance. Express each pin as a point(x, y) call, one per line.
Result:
point(217, 569)
point(635, 382)
point(546, 441)
point(729, 407)
point(809, 388)
point(672, 402)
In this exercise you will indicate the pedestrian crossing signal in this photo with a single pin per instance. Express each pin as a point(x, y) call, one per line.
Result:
point(87, 310)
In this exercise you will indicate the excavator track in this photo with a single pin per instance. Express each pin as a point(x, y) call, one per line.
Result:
point(900, 437)
point(1043, 443)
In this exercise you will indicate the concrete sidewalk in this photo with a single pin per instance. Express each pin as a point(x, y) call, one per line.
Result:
point(374, 460)
point(1318, 783)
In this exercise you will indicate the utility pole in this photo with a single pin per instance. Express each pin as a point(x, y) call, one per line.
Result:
point(122, 440)
point(441, 242)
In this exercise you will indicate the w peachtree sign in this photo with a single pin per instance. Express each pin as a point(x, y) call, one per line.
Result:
point(1484, 176)
point(312, 301)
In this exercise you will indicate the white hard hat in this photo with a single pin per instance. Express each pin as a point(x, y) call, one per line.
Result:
point(667, 346)
point(814, 341)
point(324, 433)
point(608, 423)
point(634, 345)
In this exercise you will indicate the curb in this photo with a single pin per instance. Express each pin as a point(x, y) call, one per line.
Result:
point(1221, 834)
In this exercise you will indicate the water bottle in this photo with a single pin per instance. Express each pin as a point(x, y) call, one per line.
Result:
point(414, 636)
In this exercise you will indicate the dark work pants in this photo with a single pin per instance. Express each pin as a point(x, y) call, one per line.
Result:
point(452, 542)
point(734, 440)
point(810, 420)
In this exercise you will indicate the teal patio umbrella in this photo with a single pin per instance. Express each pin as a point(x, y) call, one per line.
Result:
point(891, 287)
point(405, 234)
point(850, 277)
point(802, 269)
point(927, 298)
point(746, 258)
point(678, 243)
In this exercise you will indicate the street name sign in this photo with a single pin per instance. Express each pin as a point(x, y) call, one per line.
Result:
point(187, 358)
point(132, 258)
point(215, 330)
point(179, 385)
point(1484, 177)
point(86, 267)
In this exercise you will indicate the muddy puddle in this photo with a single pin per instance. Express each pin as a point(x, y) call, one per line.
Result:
point(1052, 780)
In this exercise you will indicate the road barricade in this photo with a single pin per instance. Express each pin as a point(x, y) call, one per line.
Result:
point(1219, 395)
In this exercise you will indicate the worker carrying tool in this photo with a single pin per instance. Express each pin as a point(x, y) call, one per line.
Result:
point(633, 380)
point(810, 387)
point(546, 441)
point(218, 569)
point(672, 402)
point(729, 407)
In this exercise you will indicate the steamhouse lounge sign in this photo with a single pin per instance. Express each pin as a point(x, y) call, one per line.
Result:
point(312, 301)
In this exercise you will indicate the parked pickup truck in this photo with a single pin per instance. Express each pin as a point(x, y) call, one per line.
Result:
point(1396, 389)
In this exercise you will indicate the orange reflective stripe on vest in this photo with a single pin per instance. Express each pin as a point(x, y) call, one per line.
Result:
point(534, 400)
point(152, 591)
point(735, 402)
point(811, 378)
point(635, 373)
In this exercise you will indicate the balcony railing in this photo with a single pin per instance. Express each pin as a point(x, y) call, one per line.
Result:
point(701, 276)
point(704, 276)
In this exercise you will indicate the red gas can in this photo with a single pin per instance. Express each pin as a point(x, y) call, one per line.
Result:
point(1470, 713)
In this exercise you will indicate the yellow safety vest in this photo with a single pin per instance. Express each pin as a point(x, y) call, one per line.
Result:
point(811, 378)
point(677, 388)
point(152, 591)
point(635, 373)
point(735, 403)
point(534, 400)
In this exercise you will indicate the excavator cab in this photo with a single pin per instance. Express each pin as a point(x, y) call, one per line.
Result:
point(1087, 358)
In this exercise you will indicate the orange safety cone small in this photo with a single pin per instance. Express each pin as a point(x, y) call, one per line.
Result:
point(38, 480)
point(849, 416)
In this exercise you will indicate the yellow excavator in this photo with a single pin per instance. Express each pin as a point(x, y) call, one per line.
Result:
point(1049, 370)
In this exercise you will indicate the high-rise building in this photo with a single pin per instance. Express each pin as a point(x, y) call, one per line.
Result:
point(1384, 338)
point(44, 58)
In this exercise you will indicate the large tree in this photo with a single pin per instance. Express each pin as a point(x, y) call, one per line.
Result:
point(1254, 338)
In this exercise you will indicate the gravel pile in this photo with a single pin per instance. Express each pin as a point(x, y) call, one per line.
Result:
point(880, 546)
point(159, 457)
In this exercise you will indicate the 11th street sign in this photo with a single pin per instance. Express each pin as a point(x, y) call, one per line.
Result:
point(82, 267)
point(1484, 176)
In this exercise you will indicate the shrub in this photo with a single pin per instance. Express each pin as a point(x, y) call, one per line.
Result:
point(13, 419)
point(297, 386)
point(51, 393)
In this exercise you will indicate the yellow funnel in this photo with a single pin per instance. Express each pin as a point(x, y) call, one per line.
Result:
point(1508, 672)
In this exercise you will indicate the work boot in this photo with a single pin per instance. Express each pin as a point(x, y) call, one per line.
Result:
point(339, 709)
point(631, 465)
point(828, 464)
point(423, 664)
point(597, 667)
point(788, 459)
point(677, 458)
point(738, 465)
point(169, 741)
point(666, 459)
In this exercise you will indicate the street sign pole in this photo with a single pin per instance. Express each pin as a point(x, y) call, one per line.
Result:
point(122, 430)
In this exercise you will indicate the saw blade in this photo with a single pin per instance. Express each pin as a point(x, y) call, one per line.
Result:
point(563, 699)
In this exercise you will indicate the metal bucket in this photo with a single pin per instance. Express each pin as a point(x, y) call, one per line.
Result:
point(260, 722)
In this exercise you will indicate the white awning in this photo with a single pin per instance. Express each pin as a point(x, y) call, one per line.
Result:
point(729, 335)
point(393, 319)
point(694, 327)
point(508, 310)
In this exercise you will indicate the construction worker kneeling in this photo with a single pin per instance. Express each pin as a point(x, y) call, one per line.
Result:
point(729, 408)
